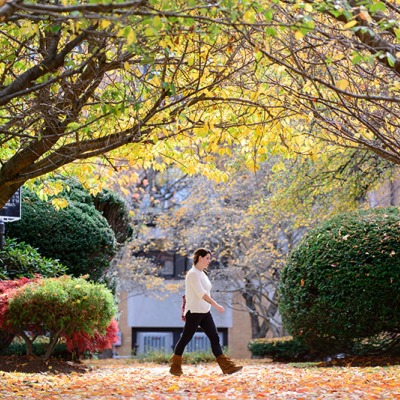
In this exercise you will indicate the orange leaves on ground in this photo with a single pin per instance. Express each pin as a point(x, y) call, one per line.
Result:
point(126, 379)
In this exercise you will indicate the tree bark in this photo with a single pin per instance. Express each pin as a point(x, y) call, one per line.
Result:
point(52, 344)
point(28, 343)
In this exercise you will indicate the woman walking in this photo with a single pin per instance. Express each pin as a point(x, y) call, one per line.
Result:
point(197, 313)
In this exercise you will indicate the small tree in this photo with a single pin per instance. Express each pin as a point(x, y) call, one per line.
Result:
point(60, 307)
point(21, 260)
point(7, 288)
point(340, 289)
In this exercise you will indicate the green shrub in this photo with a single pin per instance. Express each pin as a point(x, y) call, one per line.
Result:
point(114, 209)
point(60, 307)
point(197, 357)
point(72, 304)
point(78, 235)
point(161, 357)
point(21, 259)
point(340, 288)
point(279, 349)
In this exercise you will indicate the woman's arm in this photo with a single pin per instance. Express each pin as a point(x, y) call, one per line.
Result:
point(211, 301)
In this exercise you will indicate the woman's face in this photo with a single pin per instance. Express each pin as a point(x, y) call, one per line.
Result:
point(204, 261)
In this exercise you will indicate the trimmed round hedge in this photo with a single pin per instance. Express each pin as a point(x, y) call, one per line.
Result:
point(78, 235)
point(340, 288)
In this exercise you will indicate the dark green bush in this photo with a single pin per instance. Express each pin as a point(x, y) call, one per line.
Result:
point(279, 349)
point(114, 209)
point(340, 288)
point(78, 235)
point(20, 259)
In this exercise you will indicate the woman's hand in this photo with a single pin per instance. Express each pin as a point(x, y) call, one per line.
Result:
point(208, 299)
point(219, 308)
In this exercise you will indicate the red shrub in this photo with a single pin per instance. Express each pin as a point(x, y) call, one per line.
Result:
point(7, 290)
point(80, 342)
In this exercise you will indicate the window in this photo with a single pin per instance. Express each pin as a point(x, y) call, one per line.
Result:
point(200, 342)
point(168, 268)
point(146, 340)
point(154, 341)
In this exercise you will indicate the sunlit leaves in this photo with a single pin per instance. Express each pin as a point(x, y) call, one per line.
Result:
point(180, 68)
point(129, 34)
point(175, 71)
point(342, 84)
point(258, 380)
point(350, 24)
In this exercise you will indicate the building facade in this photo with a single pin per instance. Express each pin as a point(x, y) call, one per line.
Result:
point(151, 323)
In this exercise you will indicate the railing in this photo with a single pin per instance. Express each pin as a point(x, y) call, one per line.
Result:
point(163, 341)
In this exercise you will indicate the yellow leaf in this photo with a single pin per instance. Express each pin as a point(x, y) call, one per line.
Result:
point(131, 37)
point(249, 17)
point(59, 203)
point(126, 66)
point(308, 7)
point(191, 60)
point(342, 84)
point(157, 23)
point(104, 24)
point(149, 32)
point(173, 388)
point(298, 35)
point(350, 24)
point(280, 166)
point(57, 188)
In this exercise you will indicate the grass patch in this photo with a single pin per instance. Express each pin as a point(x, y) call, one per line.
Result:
point(188, 358)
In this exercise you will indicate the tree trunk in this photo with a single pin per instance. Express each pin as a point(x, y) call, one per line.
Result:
point(6, 193)
point(257, 330)
point(28, 343)
point(52, 344)
point(272, 310)
point(260, 330)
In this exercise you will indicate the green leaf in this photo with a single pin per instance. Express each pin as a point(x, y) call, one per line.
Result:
point(157, 23)
point(268, 15)
point(391, 59)
point(55, 28)
point(149, 32)
point(357, 58)
point(377, 7)
point(271, 32)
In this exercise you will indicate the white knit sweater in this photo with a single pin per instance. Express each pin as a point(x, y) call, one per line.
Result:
point(197, 285)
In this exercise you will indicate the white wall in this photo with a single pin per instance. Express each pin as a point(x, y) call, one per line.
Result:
point(151, 312)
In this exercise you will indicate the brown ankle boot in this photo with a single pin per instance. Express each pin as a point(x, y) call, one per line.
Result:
point(227, 365)
point(176, 365)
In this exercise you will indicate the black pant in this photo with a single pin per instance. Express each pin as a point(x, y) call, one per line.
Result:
point(206, 322)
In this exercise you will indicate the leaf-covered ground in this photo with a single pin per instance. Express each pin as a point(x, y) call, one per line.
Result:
point(123, 379)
